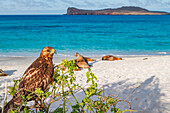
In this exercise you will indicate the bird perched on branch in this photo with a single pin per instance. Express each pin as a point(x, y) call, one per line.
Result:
point(38, 75)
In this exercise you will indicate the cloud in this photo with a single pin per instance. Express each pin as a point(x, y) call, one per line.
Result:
point(62, 5)
point(167, 4)
point(162, 5)
point(24, 4)
point(116, 5)
point(33, 4)
point(148, 2)
point(89, 3)
point(135, 2)
point(95, 4)
point(72, 3)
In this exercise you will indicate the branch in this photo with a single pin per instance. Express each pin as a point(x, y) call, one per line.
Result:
point(132, 92)
point(5, 98)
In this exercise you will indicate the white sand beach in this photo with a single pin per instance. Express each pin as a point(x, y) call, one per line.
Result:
point(119, 78)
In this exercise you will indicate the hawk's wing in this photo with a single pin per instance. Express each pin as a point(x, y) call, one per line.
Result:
point(38, 75)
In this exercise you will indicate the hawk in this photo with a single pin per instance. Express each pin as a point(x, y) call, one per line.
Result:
point(38, 75)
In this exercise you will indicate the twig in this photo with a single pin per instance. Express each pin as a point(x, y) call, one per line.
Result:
point(126, 102)
point(132, 92)
point(128, 97)
point(5, 98)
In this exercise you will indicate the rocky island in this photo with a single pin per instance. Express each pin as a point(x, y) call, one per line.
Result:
point(125, 10)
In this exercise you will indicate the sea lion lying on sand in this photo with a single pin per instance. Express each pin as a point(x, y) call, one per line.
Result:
point(110, 58)
point(2, 73)
point(82, 64)
point(82, 61)
point(88, 59)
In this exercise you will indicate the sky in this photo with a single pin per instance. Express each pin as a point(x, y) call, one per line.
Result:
point(60, 6)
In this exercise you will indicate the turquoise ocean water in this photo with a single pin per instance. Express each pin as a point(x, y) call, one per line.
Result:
point(26, 35)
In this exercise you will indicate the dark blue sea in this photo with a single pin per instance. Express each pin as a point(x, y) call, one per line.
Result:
point(26, 35)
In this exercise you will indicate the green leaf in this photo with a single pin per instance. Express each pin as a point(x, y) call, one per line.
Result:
point(28, 97)
point(12, 111)
point(112, 109)
point(58, 110)
point(39, 91)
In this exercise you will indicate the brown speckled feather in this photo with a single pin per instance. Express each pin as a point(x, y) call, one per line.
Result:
point(38, 75)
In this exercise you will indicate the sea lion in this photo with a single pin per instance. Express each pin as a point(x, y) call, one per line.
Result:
point(110, 58)
point(2, 73)
point(81, 61)
point(82, 64)
point(88, 59)
point(80, 58)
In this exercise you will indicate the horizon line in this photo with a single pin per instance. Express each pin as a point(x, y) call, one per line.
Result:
point(33, 14)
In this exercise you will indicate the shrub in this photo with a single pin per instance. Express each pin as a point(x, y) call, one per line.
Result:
point(65, 85)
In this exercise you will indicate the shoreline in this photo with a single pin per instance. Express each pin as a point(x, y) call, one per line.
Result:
point(117, 77)
point(89, 53)
point(58, 59)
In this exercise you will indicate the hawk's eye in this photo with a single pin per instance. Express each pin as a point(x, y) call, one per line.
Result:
point(48, 50)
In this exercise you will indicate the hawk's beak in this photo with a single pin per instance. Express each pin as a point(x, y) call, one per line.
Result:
point(53, 51)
